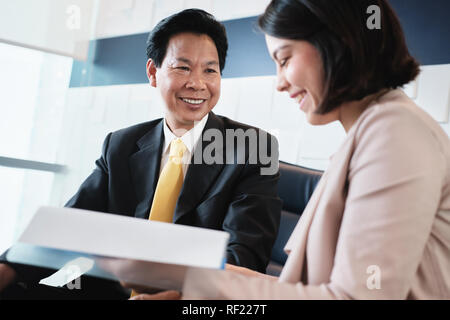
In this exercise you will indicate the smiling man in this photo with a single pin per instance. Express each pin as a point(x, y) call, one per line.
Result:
point(147, 170)
point(188, 79)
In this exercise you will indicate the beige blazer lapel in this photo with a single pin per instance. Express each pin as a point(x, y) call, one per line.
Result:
point(327, 199)
point(323, 232)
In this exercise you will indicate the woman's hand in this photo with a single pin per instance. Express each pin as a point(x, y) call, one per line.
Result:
point(248, 272)
point(241, 270)
point(147, 293)
point(165, 295)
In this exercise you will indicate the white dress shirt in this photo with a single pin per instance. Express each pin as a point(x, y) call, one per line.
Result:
point(190, 140)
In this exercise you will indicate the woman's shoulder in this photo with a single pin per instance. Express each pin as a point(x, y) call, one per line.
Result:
point(395, 132)
point(396, 116)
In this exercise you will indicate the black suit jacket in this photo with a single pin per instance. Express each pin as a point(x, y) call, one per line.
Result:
point(233, 197)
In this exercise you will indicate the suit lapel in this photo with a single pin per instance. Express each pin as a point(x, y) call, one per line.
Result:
point(199, 176)
point(144, 168)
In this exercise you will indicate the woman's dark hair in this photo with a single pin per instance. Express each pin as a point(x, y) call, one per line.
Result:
point(357, 61)
point(190, 20)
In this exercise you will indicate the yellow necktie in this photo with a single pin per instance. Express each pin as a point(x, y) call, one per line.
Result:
point(169, 186)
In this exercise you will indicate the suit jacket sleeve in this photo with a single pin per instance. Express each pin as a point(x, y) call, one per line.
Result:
point(253, 218)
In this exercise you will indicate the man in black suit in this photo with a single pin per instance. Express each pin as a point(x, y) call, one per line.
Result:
point(225, 183)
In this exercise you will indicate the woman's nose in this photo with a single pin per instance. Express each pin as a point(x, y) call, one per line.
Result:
point(281, 84)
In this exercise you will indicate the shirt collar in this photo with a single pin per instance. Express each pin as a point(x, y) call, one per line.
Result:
point(190, 138)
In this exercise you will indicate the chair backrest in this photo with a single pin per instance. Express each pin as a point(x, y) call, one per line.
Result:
point(295, 187)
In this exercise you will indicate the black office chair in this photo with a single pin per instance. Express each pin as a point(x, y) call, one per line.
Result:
point(295, 187)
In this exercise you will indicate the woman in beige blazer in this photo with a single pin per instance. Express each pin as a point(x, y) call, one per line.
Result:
point(378, 223)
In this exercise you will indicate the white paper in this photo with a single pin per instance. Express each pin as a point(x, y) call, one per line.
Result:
point(116, 236)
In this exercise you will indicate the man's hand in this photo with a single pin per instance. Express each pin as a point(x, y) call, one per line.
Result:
point(7, 276)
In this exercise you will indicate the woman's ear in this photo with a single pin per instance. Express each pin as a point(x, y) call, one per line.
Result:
point(151, 72)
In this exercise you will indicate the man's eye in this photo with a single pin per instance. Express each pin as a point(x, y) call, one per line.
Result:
point(183, 68)
point(211, 71)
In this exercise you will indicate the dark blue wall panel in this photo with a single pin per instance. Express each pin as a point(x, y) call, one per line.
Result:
point(112, 61)
point(121, 60)
point(427, 28)
point(247, 51)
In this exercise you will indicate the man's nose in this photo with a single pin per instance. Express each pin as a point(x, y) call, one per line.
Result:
point(196, 81)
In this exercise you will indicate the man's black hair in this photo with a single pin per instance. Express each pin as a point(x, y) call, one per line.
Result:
point(190, 20)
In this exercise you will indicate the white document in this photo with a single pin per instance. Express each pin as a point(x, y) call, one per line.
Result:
point(128, 249)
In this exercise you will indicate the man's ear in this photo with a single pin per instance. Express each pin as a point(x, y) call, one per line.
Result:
point(151, 72)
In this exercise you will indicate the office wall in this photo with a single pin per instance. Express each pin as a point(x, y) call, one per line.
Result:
point(110, 91)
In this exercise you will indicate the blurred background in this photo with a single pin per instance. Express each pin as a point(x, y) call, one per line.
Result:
point(71, 71)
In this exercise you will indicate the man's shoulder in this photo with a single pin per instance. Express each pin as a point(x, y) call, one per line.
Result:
point(125, 140)
point(247, 144)
point(229, 124)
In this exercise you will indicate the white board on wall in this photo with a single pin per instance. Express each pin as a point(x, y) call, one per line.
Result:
point(433, 91)
point(56, 26)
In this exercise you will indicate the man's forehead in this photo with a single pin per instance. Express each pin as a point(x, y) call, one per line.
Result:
point(188, 41)
point(190, 48)
point(189, 61)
